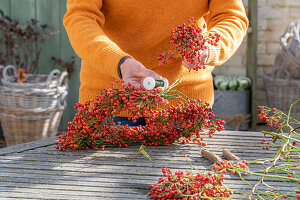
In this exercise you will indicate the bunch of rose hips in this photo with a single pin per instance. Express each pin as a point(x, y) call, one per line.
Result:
point(93, 126)
point(271, 116)
point(188, 41)
point(278, 120)
point(189, 186)
point(224, 166)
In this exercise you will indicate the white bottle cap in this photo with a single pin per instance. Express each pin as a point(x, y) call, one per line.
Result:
point(149, 83)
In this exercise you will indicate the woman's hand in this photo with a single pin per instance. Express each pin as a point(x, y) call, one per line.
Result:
point(202, 54)
point(134, 72)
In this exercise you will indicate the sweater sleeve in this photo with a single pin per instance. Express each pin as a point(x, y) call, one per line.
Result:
point(83, 22)
point(229, 19)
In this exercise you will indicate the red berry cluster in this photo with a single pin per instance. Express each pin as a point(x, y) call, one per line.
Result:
point(224, 166)
point(189, 40)
point(273, 118)
point(265, 142)
point(93, 127)
point(189, 186)
point(270, 116)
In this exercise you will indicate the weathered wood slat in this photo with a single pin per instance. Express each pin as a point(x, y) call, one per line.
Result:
point(120, 170)
point(108, 161)
point(228, 136)
point(77, 196)
point(88, 191)
point(36, 173)
point(175, 147)
point(101, 188)
point(69, 176)
point(111, 182)
point(107, 164)
point(57, 194)
point(239, 151)
point(28, 146)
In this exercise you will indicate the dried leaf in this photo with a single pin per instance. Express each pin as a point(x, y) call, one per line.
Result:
point(22, 77)
point(143, 151)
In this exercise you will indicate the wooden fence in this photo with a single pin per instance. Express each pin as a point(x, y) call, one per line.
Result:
point(49, 12)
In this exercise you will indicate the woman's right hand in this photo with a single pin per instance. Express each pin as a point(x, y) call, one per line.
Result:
point(134, 72)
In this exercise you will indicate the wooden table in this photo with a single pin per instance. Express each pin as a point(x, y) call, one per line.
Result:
point(37, 170)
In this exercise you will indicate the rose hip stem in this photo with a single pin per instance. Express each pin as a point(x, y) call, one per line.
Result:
point(210, 156)
point(150, 83)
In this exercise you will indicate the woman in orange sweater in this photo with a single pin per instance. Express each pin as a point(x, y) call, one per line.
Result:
point(123, 38)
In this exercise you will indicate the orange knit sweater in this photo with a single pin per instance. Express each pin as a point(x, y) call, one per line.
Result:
point(103, 31)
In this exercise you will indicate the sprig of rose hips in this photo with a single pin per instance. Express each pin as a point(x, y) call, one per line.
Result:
point(93, 126)
point(225, 166)
point(188, 41)
point(180, 185)
point(285, 164)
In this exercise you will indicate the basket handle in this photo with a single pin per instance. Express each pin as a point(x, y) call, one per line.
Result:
point(53, 73)
point(63, 79)
point(286, 36)
point(297, 31)
point(62, 99)
point(6, 74)
point(283, 70)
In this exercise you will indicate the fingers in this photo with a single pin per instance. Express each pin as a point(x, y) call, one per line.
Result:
point(187, 64)
point(163, 102)
point(134, 83)
point(150, 73)
point(201, 58)
point(160, 89)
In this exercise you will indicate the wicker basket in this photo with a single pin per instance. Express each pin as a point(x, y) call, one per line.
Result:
point(20, 126)
point(282, 92)
point(31, 111)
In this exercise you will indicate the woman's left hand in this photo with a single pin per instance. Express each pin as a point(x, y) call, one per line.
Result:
point(203, 54)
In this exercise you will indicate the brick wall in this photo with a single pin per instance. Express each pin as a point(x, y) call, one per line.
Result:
point(273, 18)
